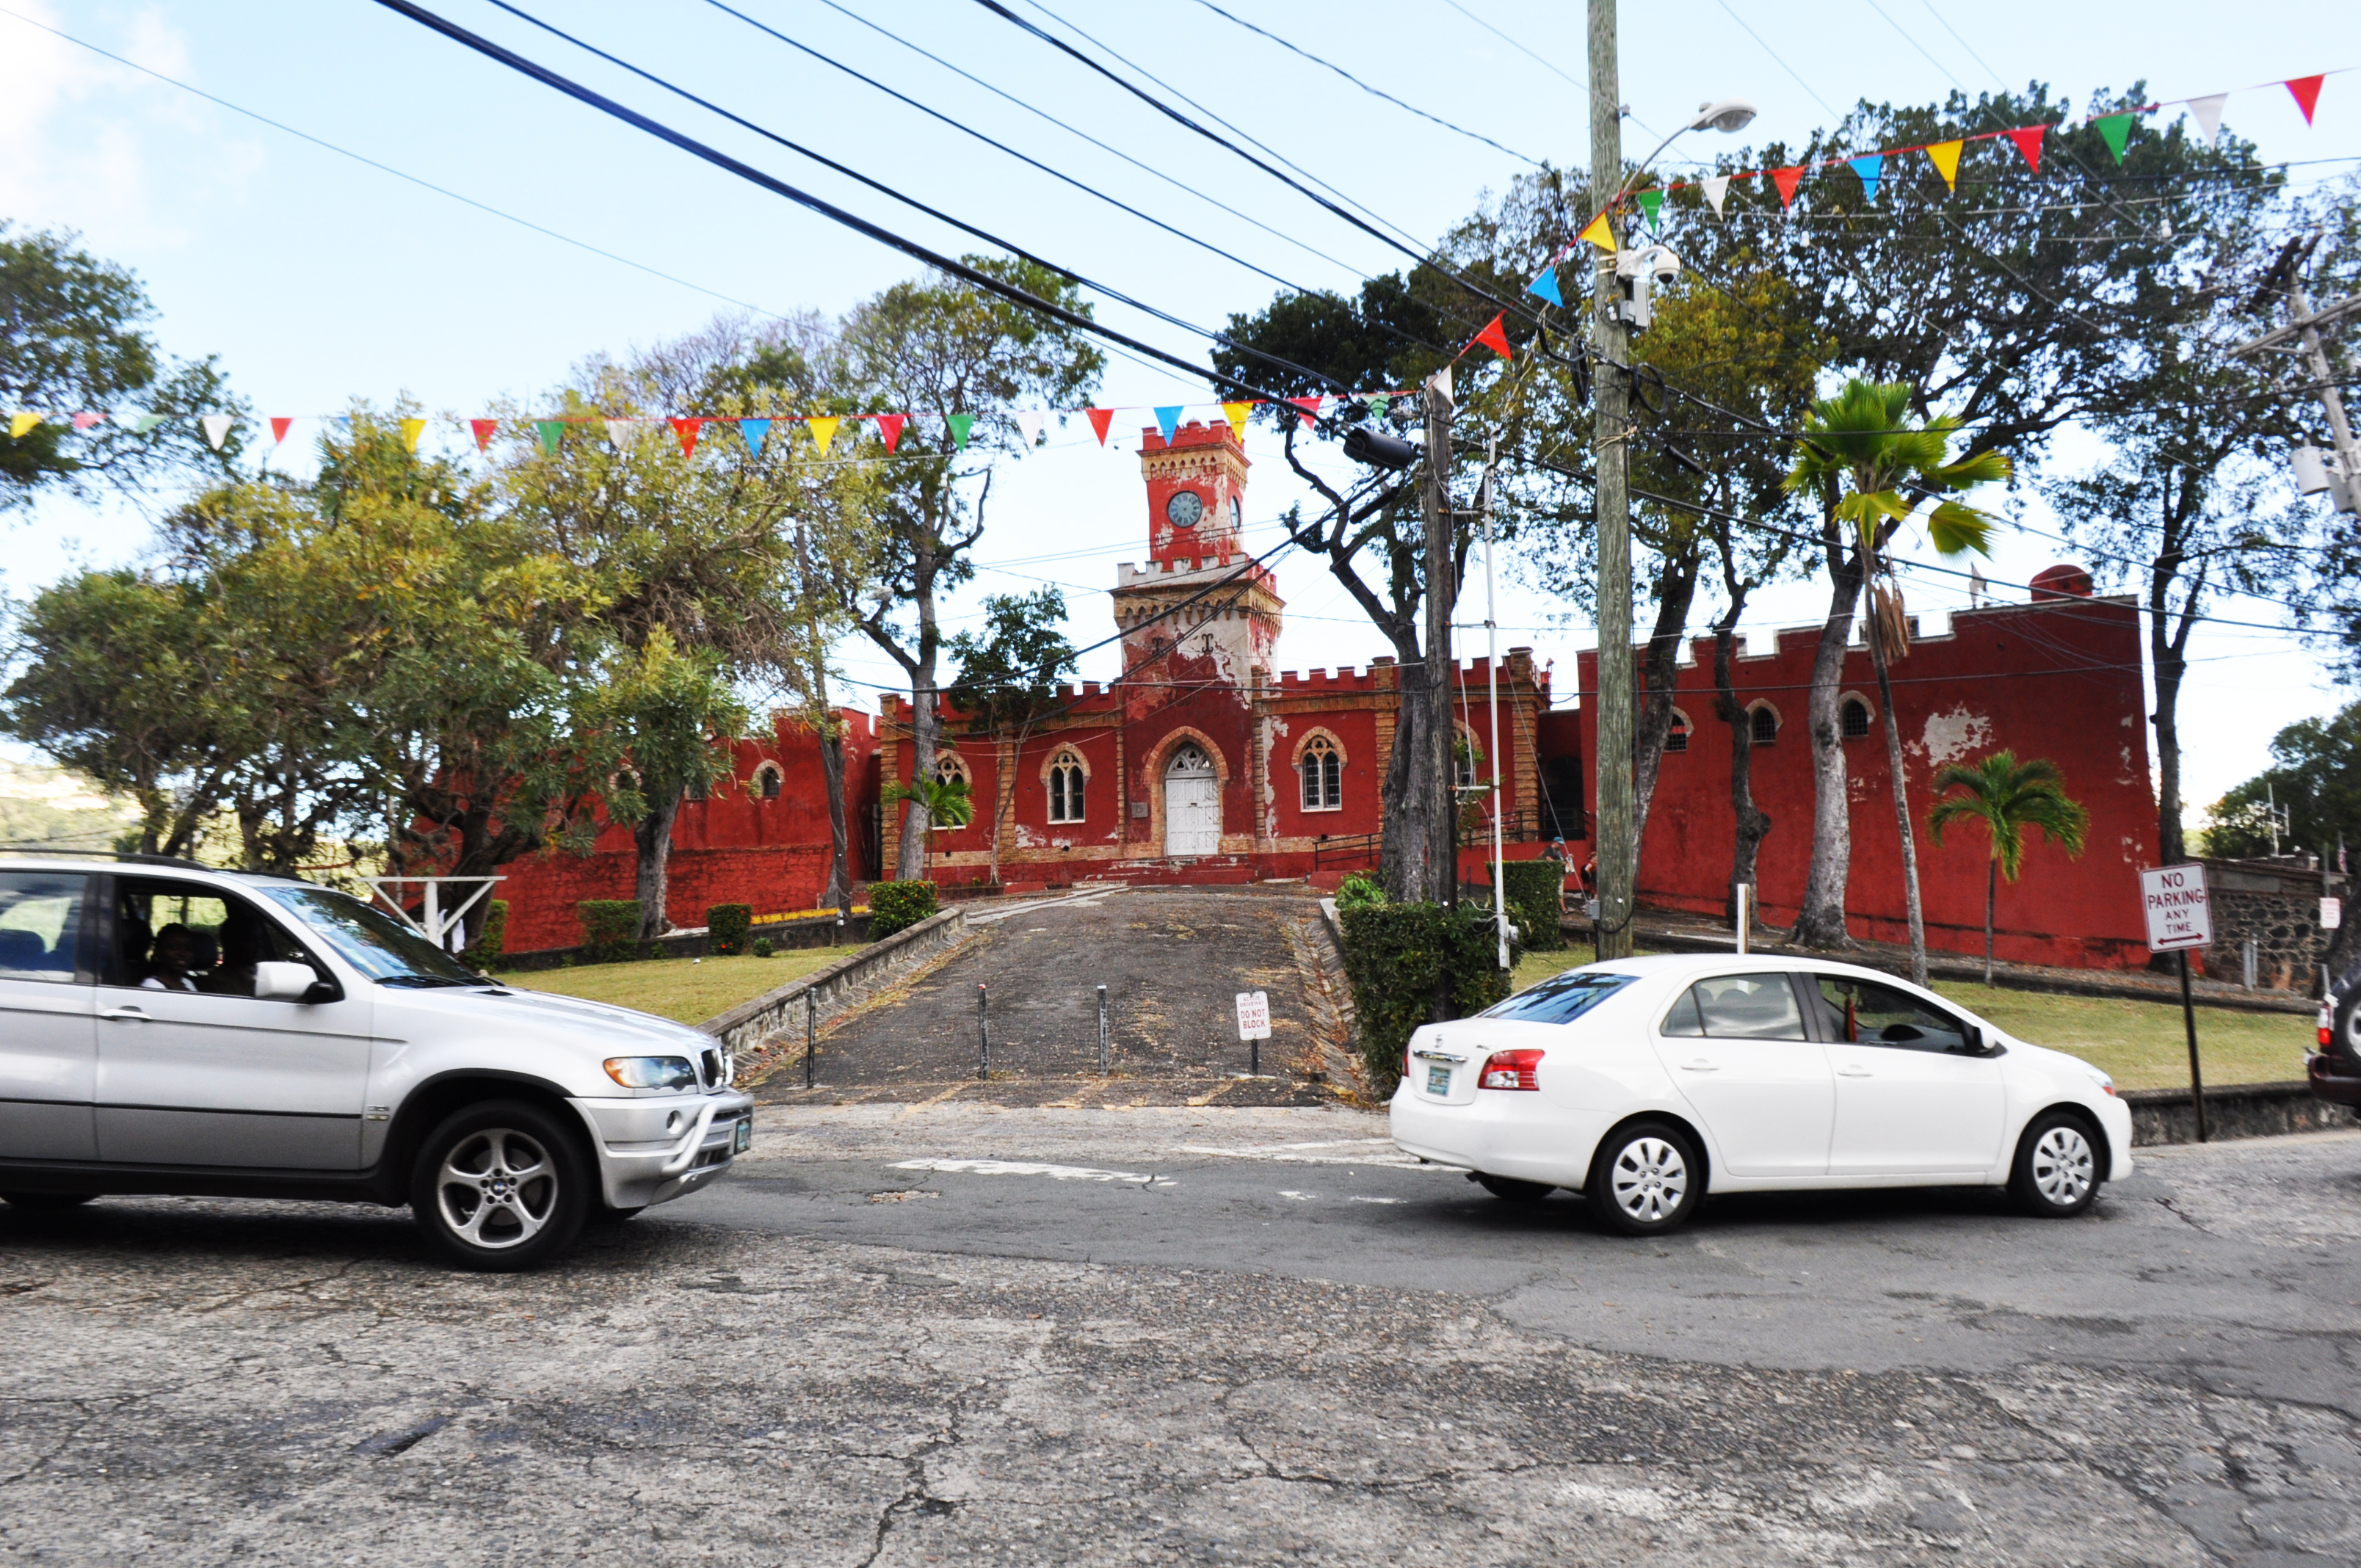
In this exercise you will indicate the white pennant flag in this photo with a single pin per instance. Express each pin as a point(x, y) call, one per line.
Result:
point(1029, 422)
point(2207, 111)
point(1716, 189)
point(216, 429)
point(623, 432)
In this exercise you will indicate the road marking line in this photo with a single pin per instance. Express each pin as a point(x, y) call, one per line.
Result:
point(1028, 1167)
point(1402, 1161)
point(1299, 1197)
point(1358, 1198)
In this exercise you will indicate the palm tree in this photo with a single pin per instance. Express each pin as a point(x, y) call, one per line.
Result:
point(1870, 470)
point(2008, 796)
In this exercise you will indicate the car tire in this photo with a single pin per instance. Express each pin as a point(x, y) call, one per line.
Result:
point(501, 1186)
point(38, 1202)
point(1646, 1179)
point(2056, 1175)
point(1510, 1189)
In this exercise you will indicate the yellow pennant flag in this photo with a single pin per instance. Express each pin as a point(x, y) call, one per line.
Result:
point(1600, 232)
point(412, 429)
point(1238, 416)
point(1946, 155)
point(19, 423)
point(823, 431)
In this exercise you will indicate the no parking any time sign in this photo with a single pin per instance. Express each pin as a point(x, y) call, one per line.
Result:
point(2177, 913)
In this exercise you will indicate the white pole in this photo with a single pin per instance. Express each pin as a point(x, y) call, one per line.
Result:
point(1492, 665)
point(1745, 905)
point(434, 909)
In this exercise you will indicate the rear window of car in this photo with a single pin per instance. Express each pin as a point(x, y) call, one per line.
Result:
point(1561, 999)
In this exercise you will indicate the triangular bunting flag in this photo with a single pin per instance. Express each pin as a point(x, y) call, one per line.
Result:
point(1379, 405)
point(19, 423)
point(2207, 111)
point(2307, 93)
point(84, 421)
point(1100, 420)
point(621, 431)
point(1168, 421)
point(482, 430)
point(1946, 157)
point(823, 428)
point(1786, 179)
point(1029, 424)
point(687, 430)
point(1869, 166)
point(1651, 202)
point(278, 429)
point(1493, 338)
point(1236, 414)
point(217, 428)
point(2115, 130)
point(1309, 408)
point(959, 425)
point(1546, 286)
point(889, 429)
point(549, 430)
point(752, 431)
point(1598, 232)
point(2029, 142)
point(143, 424)
point(412, 429)
point(1717, 190)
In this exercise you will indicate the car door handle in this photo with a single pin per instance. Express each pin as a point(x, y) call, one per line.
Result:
point(1701, 1065)
point(126, 1015)
point(1854, 1070)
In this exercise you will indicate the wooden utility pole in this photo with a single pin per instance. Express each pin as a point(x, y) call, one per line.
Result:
point(1441, 598)
point(1612, 834)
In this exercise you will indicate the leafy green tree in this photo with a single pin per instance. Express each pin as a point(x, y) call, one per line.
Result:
point(1008, 682)
point(2314, 778)
point(2007, 797)
point(1869, 468)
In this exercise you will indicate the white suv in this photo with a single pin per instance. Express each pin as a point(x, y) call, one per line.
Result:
point(167, 1028)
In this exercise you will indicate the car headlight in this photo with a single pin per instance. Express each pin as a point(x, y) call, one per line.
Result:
point(652, 1073)
point(2105, 1082)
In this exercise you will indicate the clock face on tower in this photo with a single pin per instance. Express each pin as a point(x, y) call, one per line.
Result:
point(1184, 508)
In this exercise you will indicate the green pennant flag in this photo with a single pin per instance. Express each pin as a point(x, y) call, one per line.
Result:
point(960, 424)
point(2117, 130)
point(1651, 204)
point(1379, 405)
point(549, 430)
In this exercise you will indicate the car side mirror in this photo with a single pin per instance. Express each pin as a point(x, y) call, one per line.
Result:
point(279, 982)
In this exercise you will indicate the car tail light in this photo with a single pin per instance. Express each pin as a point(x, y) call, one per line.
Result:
point(2327, 1023)
point(1508, 1070)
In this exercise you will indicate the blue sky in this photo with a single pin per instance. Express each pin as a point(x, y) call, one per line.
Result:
point(318, 279)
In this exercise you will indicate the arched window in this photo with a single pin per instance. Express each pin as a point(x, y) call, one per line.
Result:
point(1853, 718)
point(1763, 724)
point(1324, 775)
point(952, 768)
point(1066, 781)
point(1677, 739)
point(767, 782)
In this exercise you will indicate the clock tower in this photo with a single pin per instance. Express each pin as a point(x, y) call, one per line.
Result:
point(1201, 610)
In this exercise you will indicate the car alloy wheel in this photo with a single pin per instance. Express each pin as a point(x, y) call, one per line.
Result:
point(498, 1189)
point(2057, 1171)
point(1645, 1179)
point(503, 1185)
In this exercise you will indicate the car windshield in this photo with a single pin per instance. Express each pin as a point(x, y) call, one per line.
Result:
point(1563, 998)
point(371, 940)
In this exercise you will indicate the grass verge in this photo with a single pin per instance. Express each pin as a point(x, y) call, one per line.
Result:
point(686, 991)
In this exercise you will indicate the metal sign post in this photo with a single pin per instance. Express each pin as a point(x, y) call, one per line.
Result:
point(1254, 1026)
point(2180, 917)
point(1102, 1032)
point(983, 1033)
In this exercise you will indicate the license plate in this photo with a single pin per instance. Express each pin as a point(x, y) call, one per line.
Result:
point(1438, 1079)
point(745, 1139)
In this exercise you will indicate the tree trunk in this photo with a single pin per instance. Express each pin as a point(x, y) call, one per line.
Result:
point(838, 892)
point(652, 836)
point(1412, 797)
point(2168, 653)
point(1752, 824)
point(1676, 591)
point(1442, 581)
point(1821, 923)
point(926, 728)
point(1991, 895)
point(1910, 905)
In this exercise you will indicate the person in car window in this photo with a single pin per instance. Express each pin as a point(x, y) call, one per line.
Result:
point(172, 960)
point(242, 947)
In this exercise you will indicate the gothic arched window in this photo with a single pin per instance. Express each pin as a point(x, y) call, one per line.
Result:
point(1324, 775)
point(1066, 782)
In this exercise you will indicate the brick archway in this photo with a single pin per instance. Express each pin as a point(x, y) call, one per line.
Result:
point(1158, 758)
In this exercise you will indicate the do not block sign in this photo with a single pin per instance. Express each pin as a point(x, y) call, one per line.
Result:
point(1253, 1015)
point(2177, 913)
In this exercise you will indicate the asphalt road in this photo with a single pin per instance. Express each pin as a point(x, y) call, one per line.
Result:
point(962, 1333)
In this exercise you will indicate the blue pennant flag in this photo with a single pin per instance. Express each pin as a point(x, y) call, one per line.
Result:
point(1546, 286)
point(1168, 421)
point(752, 431)
point(1869, 166)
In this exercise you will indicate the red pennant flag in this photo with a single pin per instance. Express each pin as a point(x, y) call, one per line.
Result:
point(2307, 92)
point(1786, 179)
point(2029, 142)
point(1100, 420)
point(1493, 338)
point(687, 430)
point(483, 429)
point(889, 426)
point(1309, 408)
point(279, 428)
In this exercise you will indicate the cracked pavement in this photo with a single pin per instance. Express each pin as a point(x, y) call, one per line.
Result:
point(969, 1333)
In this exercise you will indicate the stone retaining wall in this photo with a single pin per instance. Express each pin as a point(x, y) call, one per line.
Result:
point(2234, 1111)
point(838, 987)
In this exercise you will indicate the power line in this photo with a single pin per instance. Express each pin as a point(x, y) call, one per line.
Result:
point(1782, 65)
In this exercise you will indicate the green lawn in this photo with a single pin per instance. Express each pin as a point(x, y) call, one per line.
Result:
point(686, 991)
point(2141, 1043)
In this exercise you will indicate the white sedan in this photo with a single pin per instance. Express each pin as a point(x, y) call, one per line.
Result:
point(1645, 1083)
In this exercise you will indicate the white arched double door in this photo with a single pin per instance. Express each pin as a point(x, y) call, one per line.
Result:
point(1192, 804)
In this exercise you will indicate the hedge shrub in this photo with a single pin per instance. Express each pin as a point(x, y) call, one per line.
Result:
point(763, 948)
point(1533, 887)
point(485, 951)
point(1394, 956)
point(725, 929)
point(898, 905)
point(610, 927)
point(1359, 891)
